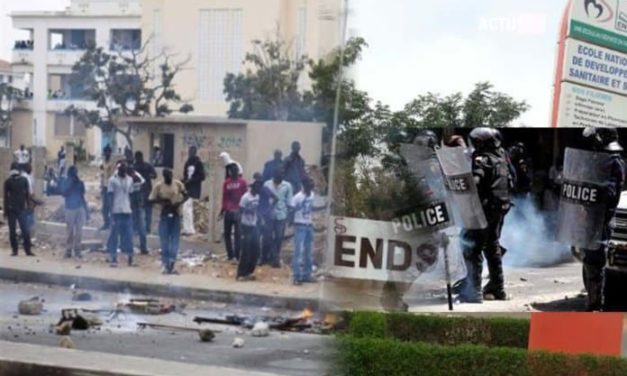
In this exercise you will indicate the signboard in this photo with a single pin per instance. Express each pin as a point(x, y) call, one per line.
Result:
point(590, 87)
point(585, 107)
point(594, 66)
point(393, 251)
point(601, 22)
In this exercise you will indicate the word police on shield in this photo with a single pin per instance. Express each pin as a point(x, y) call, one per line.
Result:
point(583, 199)
point(376, 250)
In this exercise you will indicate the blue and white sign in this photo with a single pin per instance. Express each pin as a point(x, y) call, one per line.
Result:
point(595, 66)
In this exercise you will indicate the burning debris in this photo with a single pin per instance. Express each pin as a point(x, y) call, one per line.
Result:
point(260, 325)
point(31, 307)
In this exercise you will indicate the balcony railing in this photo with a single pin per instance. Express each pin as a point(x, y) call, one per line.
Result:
point(59, 105)
point(23, 57)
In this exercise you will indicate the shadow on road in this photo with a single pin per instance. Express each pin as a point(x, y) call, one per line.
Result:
point(575, 304)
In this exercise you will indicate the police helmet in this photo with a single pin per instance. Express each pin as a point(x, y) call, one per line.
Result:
point(426, 137)
point(485, 139)
point(603, 138)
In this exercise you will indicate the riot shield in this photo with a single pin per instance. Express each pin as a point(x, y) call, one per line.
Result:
point(457, 170)
point(583, 198)
point(425, 170)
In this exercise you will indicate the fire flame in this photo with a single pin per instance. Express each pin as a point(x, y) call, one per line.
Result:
point(307, 314)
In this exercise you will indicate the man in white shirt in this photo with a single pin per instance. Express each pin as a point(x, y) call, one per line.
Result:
point(120, 187)
point(249, 256)
point(22, 157)
point(302, 261)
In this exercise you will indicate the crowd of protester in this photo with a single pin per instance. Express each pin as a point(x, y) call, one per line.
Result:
point(255, 213)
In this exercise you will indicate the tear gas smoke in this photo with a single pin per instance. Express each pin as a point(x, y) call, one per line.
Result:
point(529, 236)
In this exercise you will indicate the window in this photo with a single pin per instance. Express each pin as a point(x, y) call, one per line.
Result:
point(62, 125)
point(71, 39)
point(220, 50)
point(68, 126)
point(165, 142)
point(125, 39)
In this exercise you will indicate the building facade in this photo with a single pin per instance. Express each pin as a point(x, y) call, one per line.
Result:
point(216, 35)
point(56, 42)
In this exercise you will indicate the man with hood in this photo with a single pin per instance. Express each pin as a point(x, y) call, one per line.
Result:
point(294, 168)
point(193, 176)
point(228, 162)
point(76, 211)
point(170, 194)
point(16, 197)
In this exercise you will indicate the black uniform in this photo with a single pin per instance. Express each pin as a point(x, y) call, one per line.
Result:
point(491, 170)
point(606, 296)
point(16, 197)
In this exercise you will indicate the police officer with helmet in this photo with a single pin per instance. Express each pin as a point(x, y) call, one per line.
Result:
point(606, 296)
point(492, 174)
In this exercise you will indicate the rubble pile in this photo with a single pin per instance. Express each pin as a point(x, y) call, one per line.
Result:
point(31, 307)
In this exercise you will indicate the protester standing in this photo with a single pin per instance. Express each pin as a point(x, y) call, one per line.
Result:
point(194, 175)
point(294, 167)
point(271, 167)
point(61, 161)
point(22, 157)
point(302, 205)
point(106, 171)
point(265, 211)
point(250, 232)
point(76, 211)
point(282, 197)
point(137, 209)
point(170, 194)
point(147, 171)
point(233, 188)
point(16, 197)
point(120, 187)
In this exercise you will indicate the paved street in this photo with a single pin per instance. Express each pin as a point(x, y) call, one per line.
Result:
point(280, 353)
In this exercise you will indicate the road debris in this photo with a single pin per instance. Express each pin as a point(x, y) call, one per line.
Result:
point(31, 307)
point(205, 335)
point(261, 329)
point(150, 307)
point(81, 297)
point(66, 343)
point(238, 343)
point(64, 329)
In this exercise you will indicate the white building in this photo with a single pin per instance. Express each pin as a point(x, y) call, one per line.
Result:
point(56, 41)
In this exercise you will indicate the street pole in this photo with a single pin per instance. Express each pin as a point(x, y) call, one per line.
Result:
point(336, 117)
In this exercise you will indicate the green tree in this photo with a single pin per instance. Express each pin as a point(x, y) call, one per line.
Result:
point(125, 84)
point(8, 96)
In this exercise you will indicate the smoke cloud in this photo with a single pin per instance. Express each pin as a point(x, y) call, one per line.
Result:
point(529, 236)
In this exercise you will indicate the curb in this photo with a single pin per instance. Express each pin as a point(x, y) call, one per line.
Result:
point(161, 290)
point(26, 359)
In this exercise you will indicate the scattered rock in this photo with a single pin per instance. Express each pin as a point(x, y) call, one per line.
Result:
point(306, 351)
point(66, 343)
point(82, 297)
point(260, 329)
point(523, 279)
point(33, 306)
point(206, 335)
point(238, 343)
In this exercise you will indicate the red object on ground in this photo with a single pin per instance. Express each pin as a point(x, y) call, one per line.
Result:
point(577, 333)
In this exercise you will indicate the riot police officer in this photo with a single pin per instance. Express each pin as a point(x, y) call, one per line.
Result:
point(491, 171)
point(604, 140)
point(427, 138)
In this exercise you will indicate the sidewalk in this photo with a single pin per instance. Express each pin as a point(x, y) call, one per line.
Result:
point(24, 359)
point(93, 273)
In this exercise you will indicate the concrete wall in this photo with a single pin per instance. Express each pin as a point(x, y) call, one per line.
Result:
point(251, 144)
point(22, 128)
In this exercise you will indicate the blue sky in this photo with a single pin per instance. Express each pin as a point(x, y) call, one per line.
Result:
point(442, 46)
